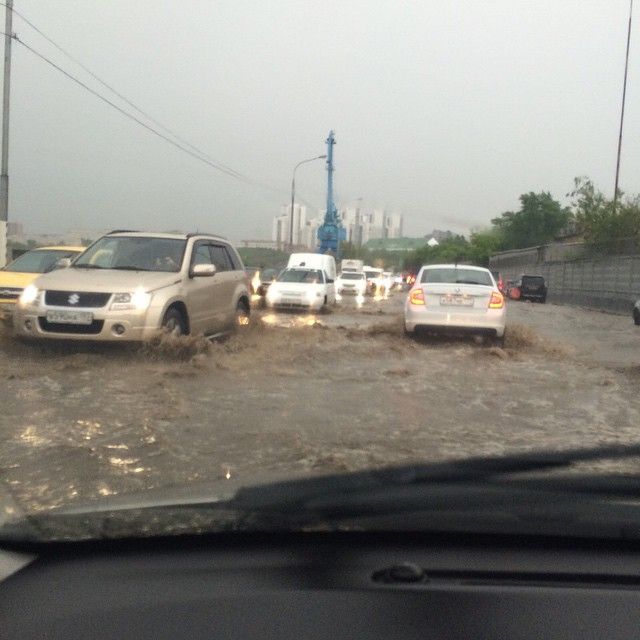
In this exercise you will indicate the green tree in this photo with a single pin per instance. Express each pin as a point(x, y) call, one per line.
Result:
point(538, 221)
point(483, 245)
point(607, 228)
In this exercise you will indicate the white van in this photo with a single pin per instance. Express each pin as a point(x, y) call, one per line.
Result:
point(314, 261)
point(307, 283)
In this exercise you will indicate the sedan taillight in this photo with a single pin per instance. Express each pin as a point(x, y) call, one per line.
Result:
point(496, 301)
point(416, 297)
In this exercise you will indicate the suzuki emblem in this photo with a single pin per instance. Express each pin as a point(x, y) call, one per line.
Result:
point(74, 298)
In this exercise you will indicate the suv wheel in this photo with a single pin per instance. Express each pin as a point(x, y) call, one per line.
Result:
point(242, 315)
point(174, 323)
point(636, 316)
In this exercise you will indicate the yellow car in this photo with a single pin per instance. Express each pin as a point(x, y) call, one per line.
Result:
point(15, 276)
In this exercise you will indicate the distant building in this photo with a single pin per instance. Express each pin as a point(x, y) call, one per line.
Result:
point(360, 227)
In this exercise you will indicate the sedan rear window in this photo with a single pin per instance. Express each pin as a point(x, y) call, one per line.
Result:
point(457, 276)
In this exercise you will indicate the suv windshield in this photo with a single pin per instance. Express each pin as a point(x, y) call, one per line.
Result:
point(345, 275)
point(312, 276)
point(456, 276)
point(39, 261)
point(134, 253)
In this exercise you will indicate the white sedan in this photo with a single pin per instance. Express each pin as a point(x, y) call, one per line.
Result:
point(352, 282)
point(449, 298)
point(299, 288)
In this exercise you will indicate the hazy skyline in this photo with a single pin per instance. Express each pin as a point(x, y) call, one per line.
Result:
point(444, 111)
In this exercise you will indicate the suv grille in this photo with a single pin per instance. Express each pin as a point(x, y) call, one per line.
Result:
point(78, 299)
point(56, 327)
point(10, 293)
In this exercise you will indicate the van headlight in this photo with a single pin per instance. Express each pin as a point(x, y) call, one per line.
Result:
point(29, 295)
point(139, 300)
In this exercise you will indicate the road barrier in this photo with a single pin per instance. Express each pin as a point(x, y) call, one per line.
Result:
point(610, 283)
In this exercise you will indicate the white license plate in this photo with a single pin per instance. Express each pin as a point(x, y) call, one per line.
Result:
point(456, 301)
point(70, 317)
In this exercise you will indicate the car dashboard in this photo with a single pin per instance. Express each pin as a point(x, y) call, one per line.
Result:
point(315, 585)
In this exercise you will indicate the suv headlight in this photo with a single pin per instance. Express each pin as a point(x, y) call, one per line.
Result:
point(29, 295)
point(139, 300)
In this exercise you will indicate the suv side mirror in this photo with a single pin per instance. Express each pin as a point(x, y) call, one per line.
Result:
point(329, 281)
point(203, 270)
point(63, 263)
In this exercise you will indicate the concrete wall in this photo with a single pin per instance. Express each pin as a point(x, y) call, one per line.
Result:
point(610, 283)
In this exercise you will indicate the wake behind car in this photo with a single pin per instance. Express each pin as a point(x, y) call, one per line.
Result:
point(455, 299)
point(18, 274)
point(128, 286)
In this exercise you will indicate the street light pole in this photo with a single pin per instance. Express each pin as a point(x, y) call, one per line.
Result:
point(293, 196)
point(4, 168)
point(624, 95)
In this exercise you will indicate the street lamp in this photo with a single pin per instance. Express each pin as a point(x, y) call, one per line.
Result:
point(293, 196)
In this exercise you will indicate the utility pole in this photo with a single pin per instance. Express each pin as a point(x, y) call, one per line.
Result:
point(293, 196)
point(4, 168)
point(624, 96)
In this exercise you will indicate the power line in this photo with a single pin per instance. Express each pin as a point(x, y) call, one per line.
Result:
point(182, 144)
point(120, 95)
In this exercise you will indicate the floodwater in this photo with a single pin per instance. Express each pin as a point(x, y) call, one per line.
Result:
point(302, 394)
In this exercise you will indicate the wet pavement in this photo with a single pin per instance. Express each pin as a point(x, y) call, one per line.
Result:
point(307, 394)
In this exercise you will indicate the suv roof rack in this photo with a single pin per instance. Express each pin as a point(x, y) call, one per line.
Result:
point(122, 231)
point(204, 233)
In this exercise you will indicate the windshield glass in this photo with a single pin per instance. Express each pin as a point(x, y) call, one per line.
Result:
point(458, 275)
point(39, 261)
point(308, 276)
point(135, 253)
point(292, 212)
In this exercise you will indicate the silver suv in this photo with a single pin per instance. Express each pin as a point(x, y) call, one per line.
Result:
point(130, 285)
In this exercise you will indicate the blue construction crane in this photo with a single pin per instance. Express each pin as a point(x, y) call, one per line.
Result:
point(330, 232)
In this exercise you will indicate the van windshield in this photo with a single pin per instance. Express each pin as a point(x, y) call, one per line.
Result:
point(309, 276)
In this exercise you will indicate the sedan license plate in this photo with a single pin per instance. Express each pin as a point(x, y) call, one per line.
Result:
point(70, 317)
point(456, 301)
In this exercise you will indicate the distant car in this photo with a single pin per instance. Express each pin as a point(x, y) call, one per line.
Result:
point(449, 298)
point(267, 277)
point(301, 288)
point(18, 274)
point(351, 282)
point(532, 288)
point(375, 281)
point(129, 286)
point(636, 313)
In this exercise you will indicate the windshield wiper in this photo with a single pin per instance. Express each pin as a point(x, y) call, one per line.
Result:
point(130, 267)
point(294, 496)
point(87, 265)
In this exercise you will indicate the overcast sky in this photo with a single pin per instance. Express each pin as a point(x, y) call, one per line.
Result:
point(447, 111)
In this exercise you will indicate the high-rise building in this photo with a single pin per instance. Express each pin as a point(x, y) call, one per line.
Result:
point(359, 226)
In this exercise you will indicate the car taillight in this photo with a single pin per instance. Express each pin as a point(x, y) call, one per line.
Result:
point(497, 300)
point(416, 296)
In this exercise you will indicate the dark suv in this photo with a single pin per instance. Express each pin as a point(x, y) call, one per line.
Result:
point(532, 288)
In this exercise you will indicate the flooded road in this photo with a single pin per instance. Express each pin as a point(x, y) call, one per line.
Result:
point(307, 394)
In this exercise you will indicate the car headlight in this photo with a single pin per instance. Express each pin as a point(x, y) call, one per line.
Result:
point(29, 295)
point(139, 300)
